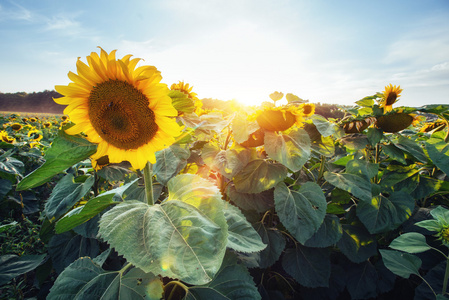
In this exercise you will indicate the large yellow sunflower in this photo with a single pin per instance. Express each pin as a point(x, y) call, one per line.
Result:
point(389, 97)
point(124, 109)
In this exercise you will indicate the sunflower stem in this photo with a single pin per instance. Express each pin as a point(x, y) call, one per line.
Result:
point(148, 178)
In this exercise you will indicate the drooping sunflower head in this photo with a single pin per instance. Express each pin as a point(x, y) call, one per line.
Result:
point(124, 109)
point(394, 122)
point(438, 125)
point(278, 118)
point(390, 96)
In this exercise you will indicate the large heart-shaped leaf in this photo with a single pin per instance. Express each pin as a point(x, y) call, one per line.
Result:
point(411, 242)
point(275, 245)
point(259, 175)
point(356, 243)
point(185, 237)
point(382, 214)
point(438, 151)
point(301, 212)
point(13, 265)
point(292, 149)
point(84, 279)
point(401, 264)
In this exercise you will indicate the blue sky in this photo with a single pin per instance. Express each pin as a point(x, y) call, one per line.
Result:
point(324, 51)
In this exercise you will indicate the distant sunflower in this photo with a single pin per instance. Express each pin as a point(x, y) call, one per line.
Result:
point(6, 138)
point(16, 126)
point(124, 109)
point(390, 96)
point(308, 109)
point(33, 119)
point(47, 124)
point(186, 89)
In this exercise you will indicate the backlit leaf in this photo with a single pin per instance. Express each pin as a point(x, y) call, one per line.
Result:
point(190, 222)
point(357, 185)
point(259, 175)
point(84, 279)
point(169, 162)
point(292, 149)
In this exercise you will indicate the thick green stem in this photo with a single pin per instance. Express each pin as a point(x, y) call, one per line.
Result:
point(320, 174)
point(148, 177)
point(446, 277)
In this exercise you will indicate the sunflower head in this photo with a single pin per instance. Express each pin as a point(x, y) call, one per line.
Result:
point(47, 124)
point(123, 108)
point(308, 109)
point(99, 163)
point(64, 118)
point(394, 122)
point(6, 138)
point(255, 139)
point(278, 118)
point(390, 96)
point(16, 126)
point(25, 120)
point(33, 119)
point(433, 126)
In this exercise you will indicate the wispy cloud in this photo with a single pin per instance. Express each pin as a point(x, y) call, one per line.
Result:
point(11, 11)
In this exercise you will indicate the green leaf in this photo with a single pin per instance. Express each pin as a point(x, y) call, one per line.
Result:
point(11, 165)
point(310, 267)
point(434, 108)
point(169, 162)
point(326, 146)
point(411, 242)
point(401, 264)
point(357, 185)
point(325, 127)
point(65, 151)
point(362, 281)
point(329, 233)
point(431, 225)
point(356, 243)
point(181, 101)
point(84, 279)
point(301, 212)
point(394, 153)
point(292, 149)
point(260, 202)
point(397, 173)
point(259, 175)
point(362, 168)
point(367, 101)
point(242, 128)
point(374, 135)
point(438, 151)
point(242, 236)
point(411, 147)
point(191, 221)
point(354, 141)
point(67, 247)
point(231, 161)
point(5, 187)
point(441, 214)
point(65, 194)
point(383, 214)
point(275, 242)
point(13, 265)
point(232, 281)
point(293, 98)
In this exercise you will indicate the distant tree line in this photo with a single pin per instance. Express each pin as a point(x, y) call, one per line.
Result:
point(36, 102)
point(42, 102)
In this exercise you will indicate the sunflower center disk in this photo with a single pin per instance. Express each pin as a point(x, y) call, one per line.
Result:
point(120, 114)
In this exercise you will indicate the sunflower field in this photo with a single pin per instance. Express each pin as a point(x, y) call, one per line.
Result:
point(140, 192)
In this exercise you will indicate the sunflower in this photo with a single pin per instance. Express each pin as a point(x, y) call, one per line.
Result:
point(438, 125)
point(395, 122)
point(99, 163)
point(308, 109)
point(6, 138)
point(16, 126)
point(64, 118)
point(47, 124)
point(390, 96)
point(278, 118)
point(184, 88)
point(33, 119)
point(124, 109)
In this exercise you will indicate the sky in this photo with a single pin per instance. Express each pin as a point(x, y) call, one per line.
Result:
point(323, 51)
